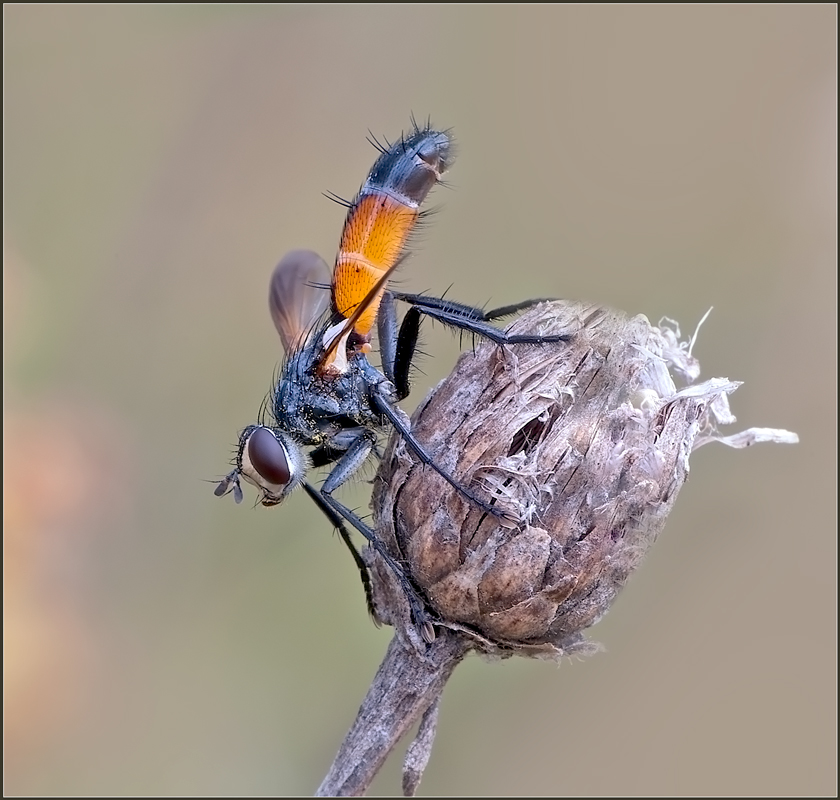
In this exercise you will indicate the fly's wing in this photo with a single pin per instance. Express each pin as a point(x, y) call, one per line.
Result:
point(299, 293)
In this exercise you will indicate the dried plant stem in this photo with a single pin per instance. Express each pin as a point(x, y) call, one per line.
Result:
point(407, 683)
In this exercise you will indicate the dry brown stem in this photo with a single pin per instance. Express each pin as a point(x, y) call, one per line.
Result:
point(407, 684)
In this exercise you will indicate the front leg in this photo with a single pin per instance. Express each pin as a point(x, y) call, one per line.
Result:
point(345, 467)
point(338, 524)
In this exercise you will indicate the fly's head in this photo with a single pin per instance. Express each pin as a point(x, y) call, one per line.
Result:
point(268, 459)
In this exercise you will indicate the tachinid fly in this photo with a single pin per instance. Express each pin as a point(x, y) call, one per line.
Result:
point(330, 404)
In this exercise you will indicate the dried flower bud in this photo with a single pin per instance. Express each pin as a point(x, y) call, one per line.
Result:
point(586, 443)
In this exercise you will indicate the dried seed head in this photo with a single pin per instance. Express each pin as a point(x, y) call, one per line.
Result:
point(586, 443)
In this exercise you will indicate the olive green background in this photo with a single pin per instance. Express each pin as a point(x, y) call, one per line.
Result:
point(159, 161)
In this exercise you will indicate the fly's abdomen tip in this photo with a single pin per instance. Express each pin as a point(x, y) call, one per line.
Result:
point(383, 215)
point(411, 167)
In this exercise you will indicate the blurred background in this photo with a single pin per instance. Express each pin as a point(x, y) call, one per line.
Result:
point(160, 160)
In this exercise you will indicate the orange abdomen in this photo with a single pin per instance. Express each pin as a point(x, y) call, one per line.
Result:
point(373, 239)
point(382, 217)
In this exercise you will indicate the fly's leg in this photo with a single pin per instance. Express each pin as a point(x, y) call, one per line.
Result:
point(513, 308)
point(384, 406)
point(338, 524)
point(320, 457)
point(386, 329)
point(475, 320)
point(397, 348)
point(463, 310)
point(345, 467)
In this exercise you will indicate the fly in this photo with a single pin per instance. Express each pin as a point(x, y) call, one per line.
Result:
point(330, 404)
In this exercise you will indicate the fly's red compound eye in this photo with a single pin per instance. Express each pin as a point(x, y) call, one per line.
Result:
point(268, 457)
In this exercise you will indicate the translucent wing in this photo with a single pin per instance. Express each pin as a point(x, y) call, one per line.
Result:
point(298, 294)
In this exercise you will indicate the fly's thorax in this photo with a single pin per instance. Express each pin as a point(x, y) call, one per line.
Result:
point(294, 414)
point(312, 407)
point(349, 396)
point(272, 461)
